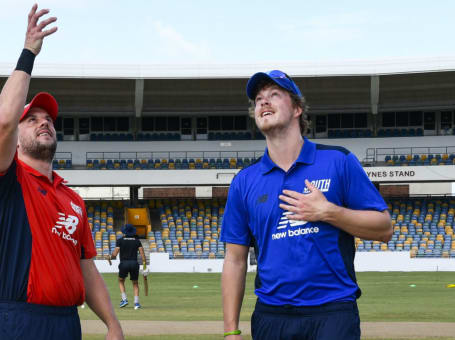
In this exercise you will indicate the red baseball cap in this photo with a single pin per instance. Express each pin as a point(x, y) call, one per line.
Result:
point(45, 101)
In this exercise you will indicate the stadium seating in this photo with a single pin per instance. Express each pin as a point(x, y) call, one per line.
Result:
point(232, 163)
point(422, 226)
point(419, 159)
point(127, 137)
point(62, 164)
point(189, 229)
point(411, 132)
point(102, 219)
point(349, 133)
point(243, 135)
point(163, 164)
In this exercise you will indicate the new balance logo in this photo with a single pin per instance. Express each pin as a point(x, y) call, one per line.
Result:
point(262, 199)
point(42, 191)
point(285, 221)
point(322, 184)
point(69, 223)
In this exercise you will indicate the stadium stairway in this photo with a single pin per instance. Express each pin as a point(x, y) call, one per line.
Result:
point(155, 220)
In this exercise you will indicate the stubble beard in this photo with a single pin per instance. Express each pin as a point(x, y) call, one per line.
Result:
point(37, 150)
point(271, 128)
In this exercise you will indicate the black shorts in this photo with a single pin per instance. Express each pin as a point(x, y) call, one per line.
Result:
point(337, 320)
point(24, 321)
point(128, 267)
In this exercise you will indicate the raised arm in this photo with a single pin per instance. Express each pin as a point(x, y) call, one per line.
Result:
point(97, 298)
point(14, 93)
point(233, 286)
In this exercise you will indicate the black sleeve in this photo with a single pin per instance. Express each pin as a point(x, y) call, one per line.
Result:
point(9, 175)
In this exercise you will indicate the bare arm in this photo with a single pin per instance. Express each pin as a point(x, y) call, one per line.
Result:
point(233, 286)
point(144, 261)
point(97, 298)
point(312, 207)
point(366, 224)
point(14, 93)
point(115, 253)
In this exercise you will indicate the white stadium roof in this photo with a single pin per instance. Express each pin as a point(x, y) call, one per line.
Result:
point(213, 71)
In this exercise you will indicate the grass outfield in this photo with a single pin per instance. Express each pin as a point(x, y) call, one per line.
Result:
point(386, 296)
point(407, 296)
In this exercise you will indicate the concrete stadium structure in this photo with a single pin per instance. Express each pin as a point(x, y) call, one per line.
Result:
point(403, 88)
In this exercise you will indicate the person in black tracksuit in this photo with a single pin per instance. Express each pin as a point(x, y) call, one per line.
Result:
point(128, 246)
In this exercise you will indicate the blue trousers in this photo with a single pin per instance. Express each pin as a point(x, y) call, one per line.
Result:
point(332, 321)
point(25, 321)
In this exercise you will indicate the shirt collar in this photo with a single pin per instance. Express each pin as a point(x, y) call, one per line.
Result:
point(36, 173)
point(306, 156)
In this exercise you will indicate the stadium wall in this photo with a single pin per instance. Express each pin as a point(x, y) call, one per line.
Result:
point(364, 262)
point(193, 149)
point(223, 177)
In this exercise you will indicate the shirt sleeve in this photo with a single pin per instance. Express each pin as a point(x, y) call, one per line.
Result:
point(359, 192)
point(235, 220)
point(118, 243)
point(11, 172)
point(87, 245)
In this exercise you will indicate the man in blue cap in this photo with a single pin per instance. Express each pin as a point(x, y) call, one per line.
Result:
point(128, 246)
point(300, 206)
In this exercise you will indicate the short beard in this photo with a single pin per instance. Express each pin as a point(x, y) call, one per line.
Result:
point(271, 129)
point(37, 150)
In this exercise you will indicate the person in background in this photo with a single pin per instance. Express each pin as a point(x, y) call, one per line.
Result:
point(128, 246)
point(46, 246)
point(300, 206)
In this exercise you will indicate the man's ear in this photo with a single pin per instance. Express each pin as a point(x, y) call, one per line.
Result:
point(297, 111)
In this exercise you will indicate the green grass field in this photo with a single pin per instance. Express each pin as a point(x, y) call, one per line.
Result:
point(388, 296)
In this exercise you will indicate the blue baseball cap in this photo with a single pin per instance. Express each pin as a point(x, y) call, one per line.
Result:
point(278, 77)
point(129, 230)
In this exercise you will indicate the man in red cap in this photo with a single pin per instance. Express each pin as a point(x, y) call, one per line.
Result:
point(46, 247)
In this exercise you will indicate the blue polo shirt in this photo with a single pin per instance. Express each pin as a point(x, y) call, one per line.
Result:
point(299, 263)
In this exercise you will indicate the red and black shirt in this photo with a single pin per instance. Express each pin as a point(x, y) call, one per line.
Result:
point(44, 233)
